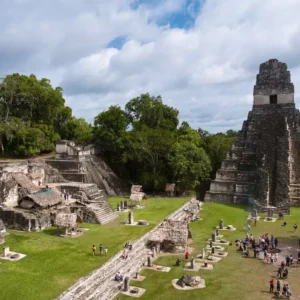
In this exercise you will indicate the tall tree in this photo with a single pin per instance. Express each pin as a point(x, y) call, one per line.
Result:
point(151, 112)
point(187, 159)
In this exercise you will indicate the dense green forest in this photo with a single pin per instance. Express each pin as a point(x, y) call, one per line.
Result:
point(144, 142)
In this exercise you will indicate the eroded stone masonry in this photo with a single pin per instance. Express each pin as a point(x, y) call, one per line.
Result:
point(263, 165)
point(34, 192)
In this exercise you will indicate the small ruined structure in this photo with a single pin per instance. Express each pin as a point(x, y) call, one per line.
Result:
point(170, 189)
point(67, 221)
point(192, 209)
point(263, 166)
point(137, 194)
point(28, 203)
point(136, 189)
point(83, 164)
point(137, 197)
point(171, 236)
point(189, 280)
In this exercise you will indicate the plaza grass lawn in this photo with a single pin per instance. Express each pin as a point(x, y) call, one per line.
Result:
point(234, 277)
point(54, 263)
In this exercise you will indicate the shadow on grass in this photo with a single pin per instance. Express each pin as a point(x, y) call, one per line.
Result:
point(246, 208)
point(53, 232)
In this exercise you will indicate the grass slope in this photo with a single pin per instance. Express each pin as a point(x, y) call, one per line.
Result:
point(53, 263)
point(234, 277)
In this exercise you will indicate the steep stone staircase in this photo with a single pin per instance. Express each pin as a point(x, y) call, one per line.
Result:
point(101, 284)
point(99, 205)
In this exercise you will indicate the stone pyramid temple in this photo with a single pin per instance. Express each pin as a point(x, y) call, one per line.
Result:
point(263, 165)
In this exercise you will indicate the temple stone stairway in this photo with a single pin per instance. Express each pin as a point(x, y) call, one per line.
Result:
point(97, 204)
point(236, 177)
point(264, 163)
point(100, 284)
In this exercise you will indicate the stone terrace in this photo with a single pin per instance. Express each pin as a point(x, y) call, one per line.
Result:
point(101, 284)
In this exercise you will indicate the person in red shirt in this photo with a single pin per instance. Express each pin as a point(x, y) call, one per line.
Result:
point(271, 285)
point(187, 255)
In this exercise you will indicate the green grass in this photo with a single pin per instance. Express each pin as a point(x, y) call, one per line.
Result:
point(54, 263)
point(234, 277)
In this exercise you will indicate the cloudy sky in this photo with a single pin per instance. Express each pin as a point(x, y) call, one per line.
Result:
point(201, 56)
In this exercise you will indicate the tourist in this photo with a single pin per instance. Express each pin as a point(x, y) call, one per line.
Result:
point(178, 261)
point(265, 255)
point(249, 227)
point(255, 220)
point(187, 255)
point(271, 285)
point(295, 227)
point(39, 182)
point(276, 242)
point(101, 249)
point(278, 286)
point(118, 277)
point(279, 272)
point(272, 258)
point(287, 260)
point(285, 273)
point(105, 251)
point(94, 250)
point(254, 252)
point(288, 291)
point(124, 255)
point(284, 289)
point(282, 264)
point(291, 259)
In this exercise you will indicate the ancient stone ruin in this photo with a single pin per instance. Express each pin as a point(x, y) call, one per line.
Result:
point(170, 189)
point(171, 236)
point(137, 194)
point(32, 194)
point(263, 166)
point(82, 164)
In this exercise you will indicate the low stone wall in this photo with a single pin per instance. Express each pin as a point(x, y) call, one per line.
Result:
point(100, 284)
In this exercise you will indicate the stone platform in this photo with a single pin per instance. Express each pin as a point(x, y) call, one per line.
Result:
point(13, 259)
point(198, 266)
point(215, 259)
point(216, 249)
point(270, 220)
point(159, 268)
point(188, 288)
point(134, 292)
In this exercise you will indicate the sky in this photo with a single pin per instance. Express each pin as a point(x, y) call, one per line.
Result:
point(201, 56)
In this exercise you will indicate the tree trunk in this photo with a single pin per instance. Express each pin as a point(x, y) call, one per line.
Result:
point(1, 143)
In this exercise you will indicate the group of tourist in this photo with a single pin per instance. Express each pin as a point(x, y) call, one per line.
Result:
point(268, 245)
point(65, 195)
point(102, 250)
point(295, 226)
point(286, 291)
point(186, 256)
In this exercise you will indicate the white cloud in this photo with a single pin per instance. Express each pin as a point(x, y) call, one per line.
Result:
point(207, 71)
